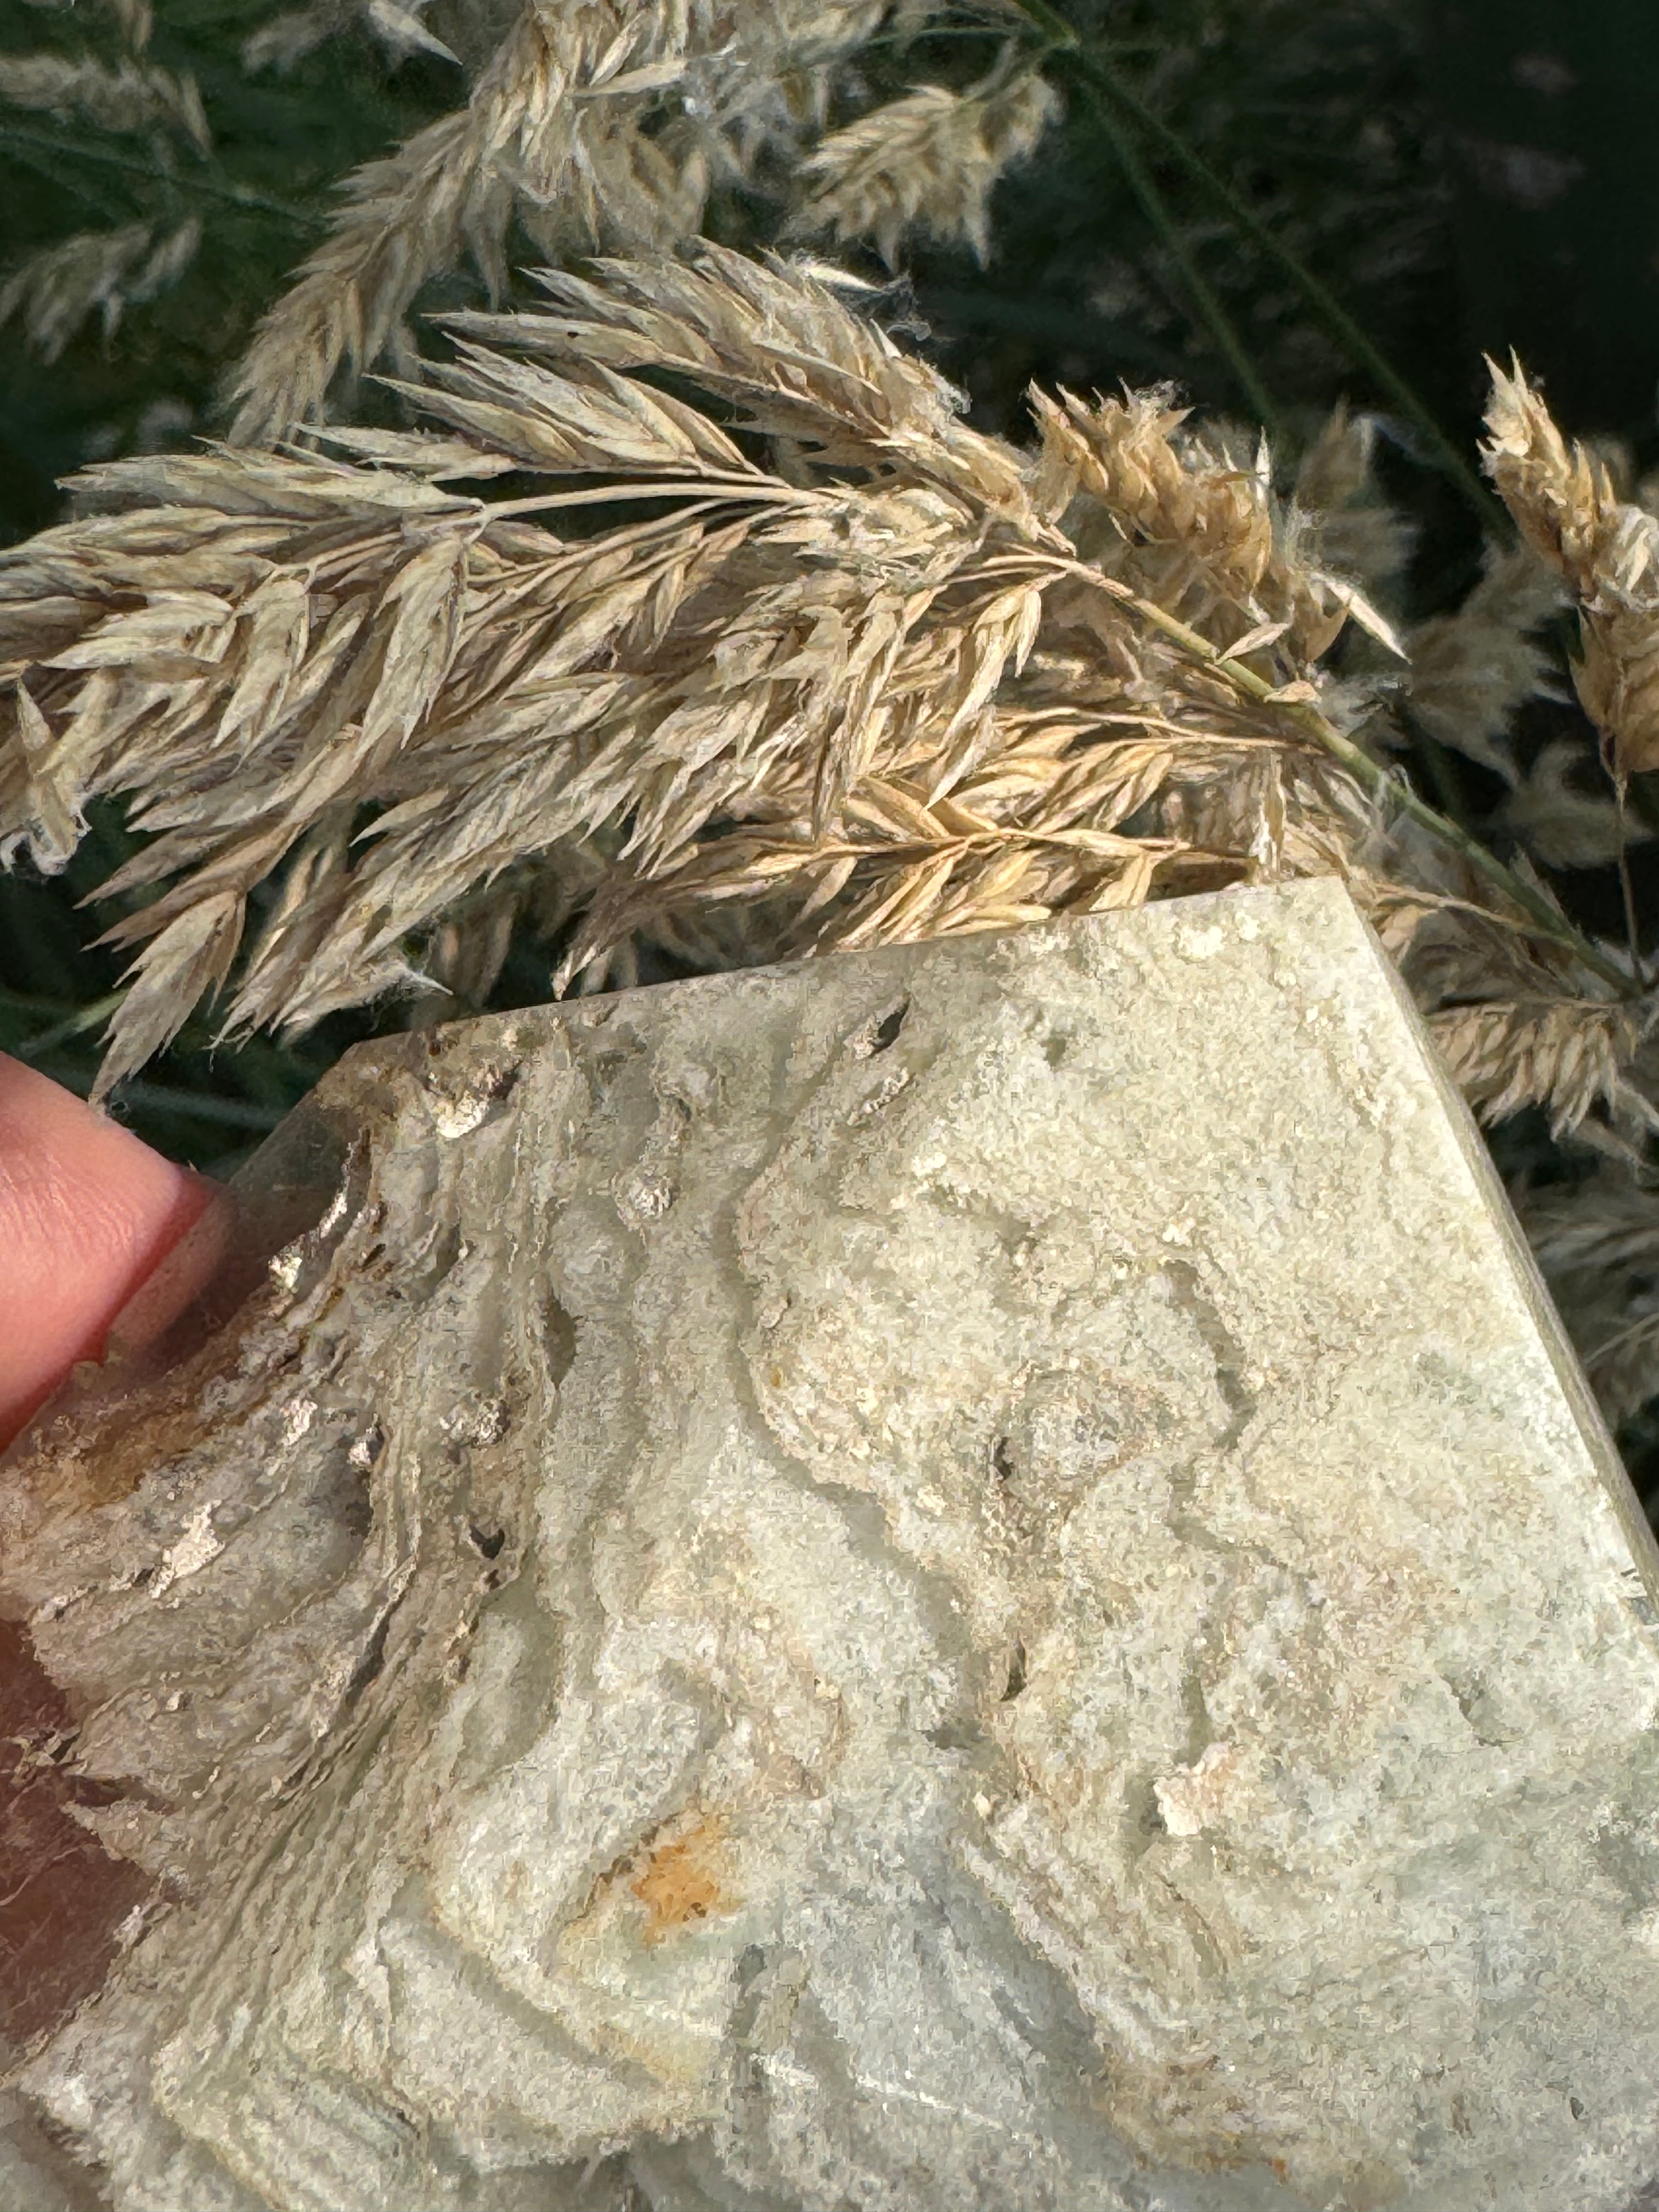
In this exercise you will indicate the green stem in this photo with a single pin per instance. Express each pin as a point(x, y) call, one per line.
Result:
point(1215, 317)
point(203, 178)
point(1627, 892)
point(84, 1018)
point(31, 1002)
point(49, 167)
point(197, 1106)
point(1106, 85)
point(1442, 768)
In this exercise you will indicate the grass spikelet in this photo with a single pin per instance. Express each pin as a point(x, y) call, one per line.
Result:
point(1598, 1245)
point(54, 293)
point(573, 126)
point(1607, 551)
point(1192, 526)
point(1562, 825)
point(287, 38)
point(1210, 519)
point(928, 162)
point(1474, 669)
point(130, 97)
point(786, 348)
point(924, 684)
point(1359, 534)
point(1520, 1022)
point(1566, 1055)
point(135, 20)
point(882, 697)
point(398, 29)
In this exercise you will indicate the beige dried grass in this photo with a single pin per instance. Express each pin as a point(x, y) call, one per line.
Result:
point(1597, 1243)
point(1567, 1055)
point(54, 293)
point(1566, 506)
point(787, 657)
point(833, 669)
point(1474, 669)
point(928, 162)
point(1190, 523)
point(1360, 535)
point(131, 96)
point(1518, 1026)
point(886, 696)
point(398, 27)
point(600, 125)
point(1561, 823)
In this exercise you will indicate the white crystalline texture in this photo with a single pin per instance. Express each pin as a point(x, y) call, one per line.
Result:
point(965, 1579)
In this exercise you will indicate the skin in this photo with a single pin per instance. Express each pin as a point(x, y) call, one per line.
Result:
point(87, 1214)
point(88, 1218)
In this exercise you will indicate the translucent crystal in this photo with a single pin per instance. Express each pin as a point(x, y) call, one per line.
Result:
point(971, 1577)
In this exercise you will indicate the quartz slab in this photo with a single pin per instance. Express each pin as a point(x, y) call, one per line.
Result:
point(971, 1576)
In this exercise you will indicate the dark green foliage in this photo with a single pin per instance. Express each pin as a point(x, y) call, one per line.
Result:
point(281, 145)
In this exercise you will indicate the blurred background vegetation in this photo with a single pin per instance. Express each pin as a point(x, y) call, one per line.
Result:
point(1437, 178)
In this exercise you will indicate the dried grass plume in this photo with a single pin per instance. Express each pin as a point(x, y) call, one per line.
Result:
point(923, 683)
point(1606, 549)
point(696, 615)
point(928, 162)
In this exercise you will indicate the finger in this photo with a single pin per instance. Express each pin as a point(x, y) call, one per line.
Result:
point(87, 1211)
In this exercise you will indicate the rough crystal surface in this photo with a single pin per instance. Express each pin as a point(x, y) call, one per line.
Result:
point(970, 1578)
